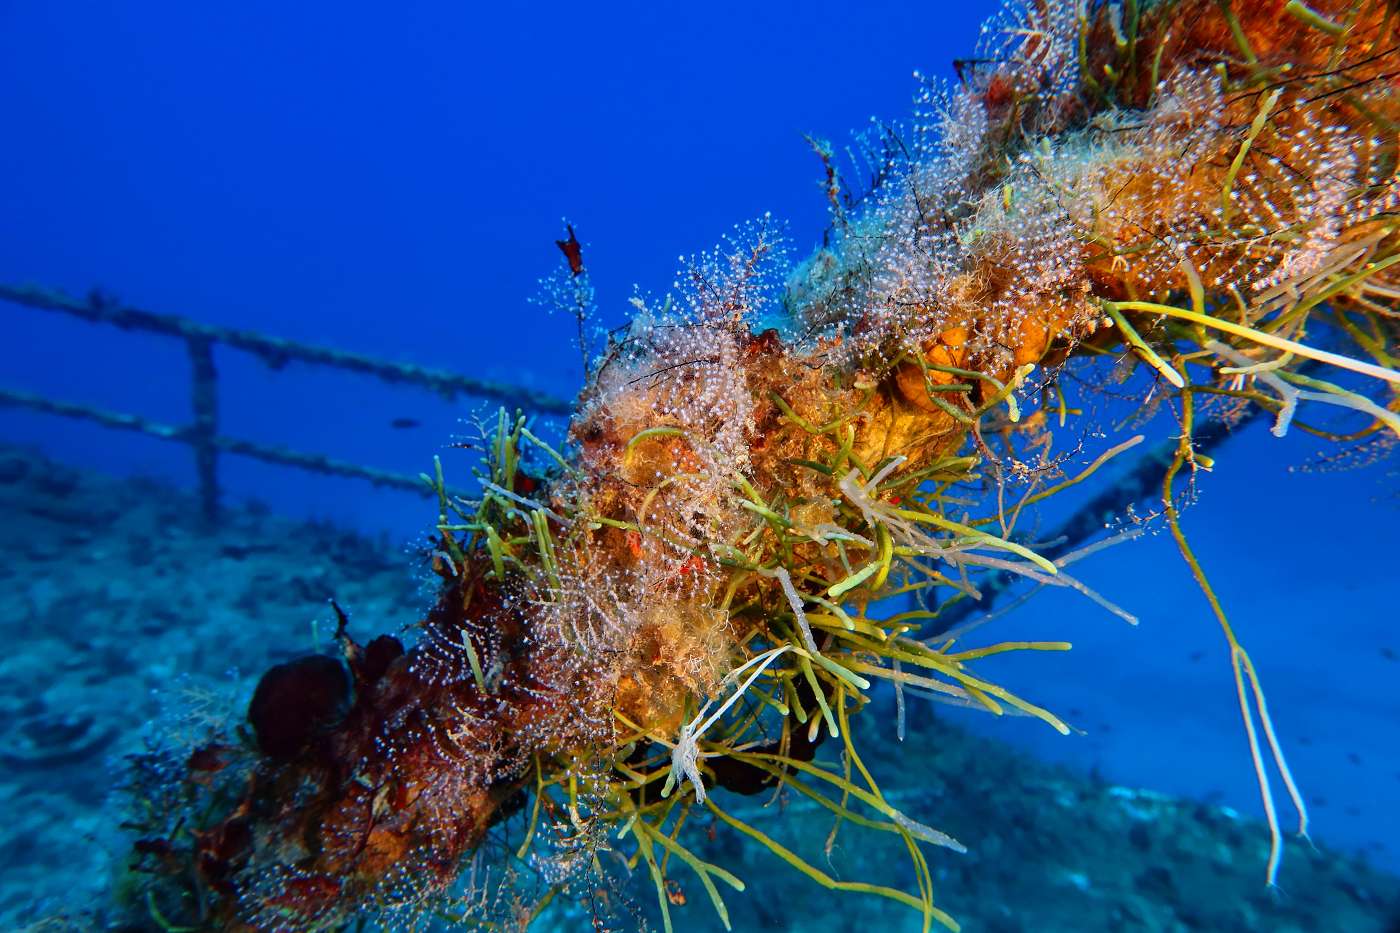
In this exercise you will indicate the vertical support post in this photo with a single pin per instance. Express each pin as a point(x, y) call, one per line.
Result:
point(204, 397)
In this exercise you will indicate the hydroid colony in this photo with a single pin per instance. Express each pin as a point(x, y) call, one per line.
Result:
point(685, 597)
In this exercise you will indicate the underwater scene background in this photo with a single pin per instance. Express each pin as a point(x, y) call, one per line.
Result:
point(391, 182)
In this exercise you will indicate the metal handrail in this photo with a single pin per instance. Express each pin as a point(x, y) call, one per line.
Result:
point(202, 432)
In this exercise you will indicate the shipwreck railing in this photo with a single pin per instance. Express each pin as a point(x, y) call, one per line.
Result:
point(202, 432)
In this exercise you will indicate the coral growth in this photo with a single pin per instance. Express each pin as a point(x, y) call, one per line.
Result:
point(689, 596)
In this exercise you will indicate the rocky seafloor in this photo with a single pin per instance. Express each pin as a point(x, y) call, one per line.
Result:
point(124, 613)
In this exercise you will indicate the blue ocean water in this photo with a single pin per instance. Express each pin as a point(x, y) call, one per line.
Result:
point(391, 181)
